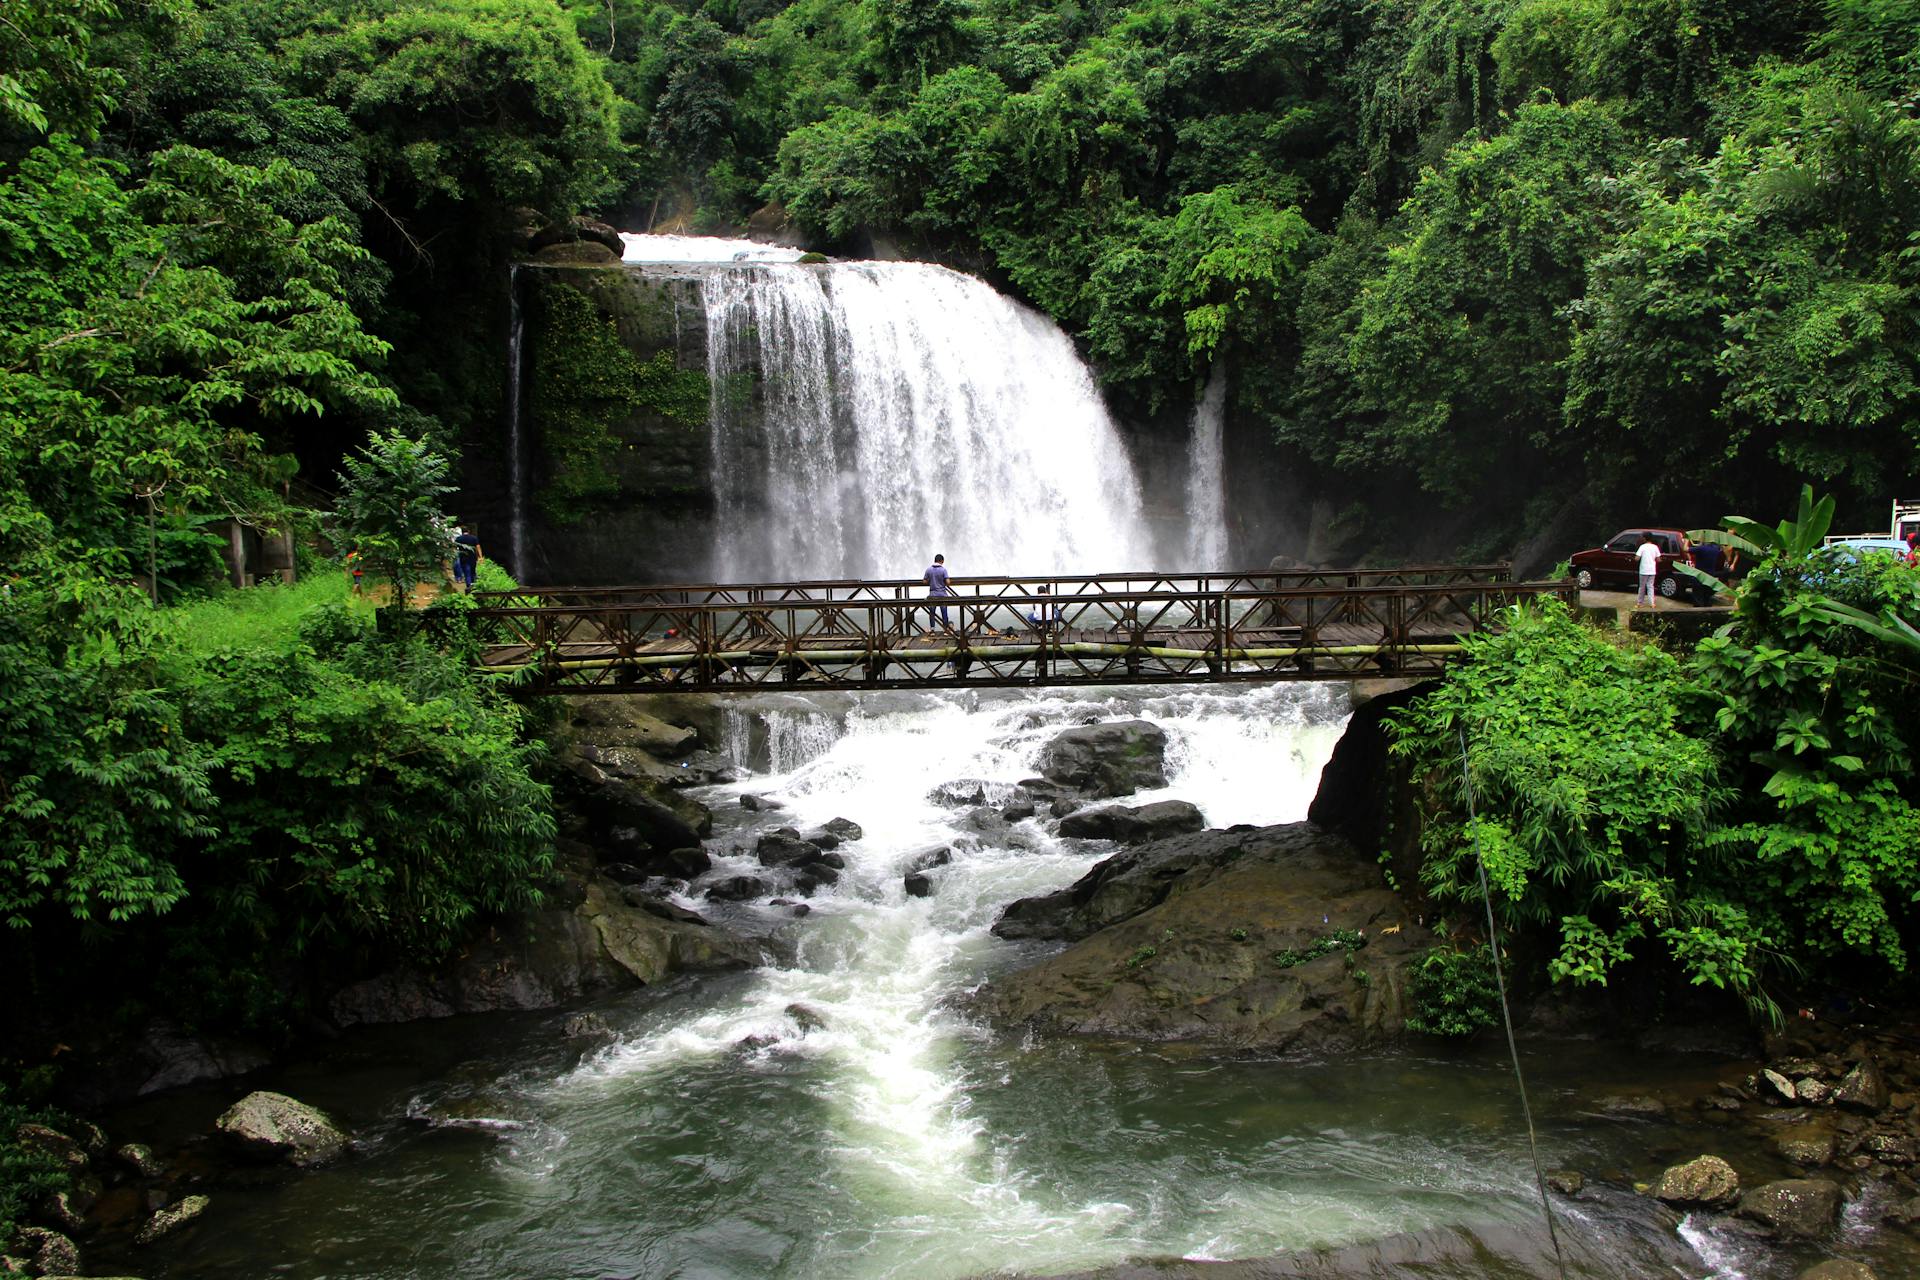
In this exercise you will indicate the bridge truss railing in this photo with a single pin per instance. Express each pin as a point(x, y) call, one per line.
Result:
point(1298, 633)
point(901, 590)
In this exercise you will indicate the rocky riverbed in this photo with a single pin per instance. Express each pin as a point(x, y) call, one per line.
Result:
point(687, 877)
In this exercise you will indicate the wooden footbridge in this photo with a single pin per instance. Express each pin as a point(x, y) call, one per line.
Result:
point(1074, 630)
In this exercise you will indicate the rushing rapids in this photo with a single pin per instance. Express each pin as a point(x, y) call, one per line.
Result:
point(838, 1111)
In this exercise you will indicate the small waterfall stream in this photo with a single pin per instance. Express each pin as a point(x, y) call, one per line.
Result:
point(516, 447)
point(1207, 476)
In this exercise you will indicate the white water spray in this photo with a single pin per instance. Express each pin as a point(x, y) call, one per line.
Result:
point(1207, 475)
point(516, 448)
point(905, 409)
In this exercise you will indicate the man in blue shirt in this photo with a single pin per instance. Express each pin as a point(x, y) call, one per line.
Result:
point(936, 580)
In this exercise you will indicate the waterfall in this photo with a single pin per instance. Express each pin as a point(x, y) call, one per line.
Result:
point(867, 415)
point(516, 447)
point(1207, 476)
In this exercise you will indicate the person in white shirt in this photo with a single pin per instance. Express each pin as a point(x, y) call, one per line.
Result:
point(1648, 553)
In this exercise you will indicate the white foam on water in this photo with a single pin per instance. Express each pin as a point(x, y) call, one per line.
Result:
point(874, 968)
point(645, 248)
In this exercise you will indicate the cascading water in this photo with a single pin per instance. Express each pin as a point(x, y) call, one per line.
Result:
point(1207, 475)
point(902, 409)
point(836, 1112)
point(516, 447)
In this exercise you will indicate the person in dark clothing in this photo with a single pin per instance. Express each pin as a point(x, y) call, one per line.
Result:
point(938, 588)
point(466, 559)
point(1710, 558)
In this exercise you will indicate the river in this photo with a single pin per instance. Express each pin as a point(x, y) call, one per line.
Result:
point(838, 1113)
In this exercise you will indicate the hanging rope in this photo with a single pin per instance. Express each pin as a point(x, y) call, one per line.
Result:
point(1506, 1014)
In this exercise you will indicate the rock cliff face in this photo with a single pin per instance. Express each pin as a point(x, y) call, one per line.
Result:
point(615, 424)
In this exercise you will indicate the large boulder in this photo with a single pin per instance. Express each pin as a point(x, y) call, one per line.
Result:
point(1708, 1181)
point(612, 720)
point(1864, 1089)
point(51, 1253)
point(578, 230)
point(1838, 1269)
point(785, 847)
point(630, 818)
point(1132, 882)
point(546, 958)
point(1797, 1208)
point(1366, 794)
point(1270, 940)
point(1134, 824)
point(578, 253)
point(272, 1126)
point(170, 1219)
point(1113, 759)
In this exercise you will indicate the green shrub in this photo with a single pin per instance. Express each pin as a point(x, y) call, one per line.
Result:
point(1453, 992)
point(26, 1173)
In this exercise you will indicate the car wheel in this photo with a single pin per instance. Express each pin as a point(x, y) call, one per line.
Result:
point(1669, 585)
point(1584, 579)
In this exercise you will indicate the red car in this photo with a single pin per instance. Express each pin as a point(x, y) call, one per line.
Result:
point(1616, 566)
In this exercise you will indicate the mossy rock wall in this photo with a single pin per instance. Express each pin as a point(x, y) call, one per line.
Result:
point(615, 424)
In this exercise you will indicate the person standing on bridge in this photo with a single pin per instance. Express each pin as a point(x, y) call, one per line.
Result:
point(938, 588)
point(466, 559)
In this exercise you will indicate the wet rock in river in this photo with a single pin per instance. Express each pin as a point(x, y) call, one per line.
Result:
point(1567, 1182)
point(1136, 824)
point(786, 847)
point(1810, 1146)
point(654, 905)
point(755, 804)
point(684, 864)
point(273, 1126)
point(586, 1026)
point(959, 794)
point(139, 1158)
point(50, 1253)
point(845, 828)
point(1838, 1269)
point(52, 1145)
point(1113, 759)
point(1795, 1208)
point(171, 1219)
point(1274, 939)
point(1864, 1089)
point(918, 884)
point(1778, 1087)
point(1708, 1181)
point(738, 889)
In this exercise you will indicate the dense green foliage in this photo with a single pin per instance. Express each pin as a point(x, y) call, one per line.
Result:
point(391, 492)
point(210, 217)
point(1453, 992)
point(27, 1171)
point(1743, 813)
point(1455, 251)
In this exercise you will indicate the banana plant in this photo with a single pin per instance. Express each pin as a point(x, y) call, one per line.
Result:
point(1793, 539)
point(1887, 629)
